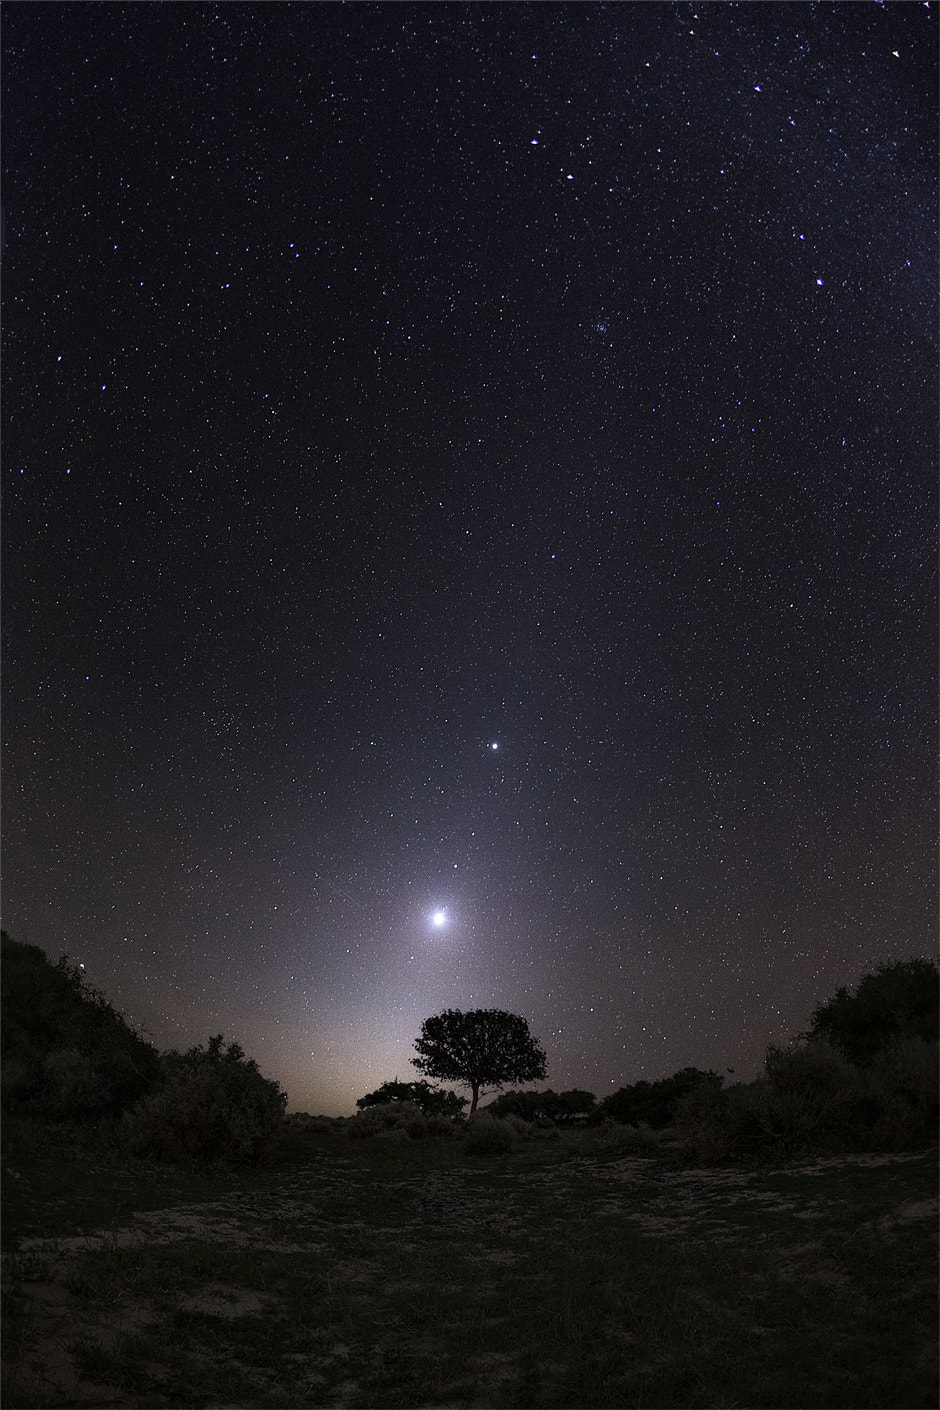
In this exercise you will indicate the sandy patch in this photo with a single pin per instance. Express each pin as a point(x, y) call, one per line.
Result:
point(911, 1213)
point(224, 1300)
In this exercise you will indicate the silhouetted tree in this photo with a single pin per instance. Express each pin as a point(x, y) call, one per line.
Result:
point(898, 1001)
point(430, 1101)
point(483, 1048)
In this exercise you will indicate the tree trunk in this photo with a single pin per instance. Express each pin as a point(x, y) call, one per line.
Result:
point(475, 1089)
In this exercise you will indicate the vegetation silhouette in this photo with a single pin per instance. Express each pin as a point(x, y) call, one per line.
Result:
point(211, 1104)
point(898, 1001)
point(66, 1051)
point(484, 1048)
point(574, 1105)
point(430, 1101)
point(865, 1076)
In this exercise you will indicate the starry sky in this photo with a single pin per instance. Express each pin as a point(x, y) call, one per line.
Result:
point(469, 528)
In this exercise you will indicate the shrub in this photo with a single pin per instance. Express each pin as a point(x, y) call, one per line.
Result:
point(444, 1127)
point(16, 1084)
point(898, 1001)
point(910, 1068)
point(614, 1136)
point(572, 1106)
point(812, 1093)
point(652, 1103)
point(322, 1125)
point(813, 1096)
point(49, 1010)
point(212, 1105)
point(390, 1116)
point(430, 1101)
point(73, 1087)
point(645, 1138)
point(488, 1135)
point(903, 1084)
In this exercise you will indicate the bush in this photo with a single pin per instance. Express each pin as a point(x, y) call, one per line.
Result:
point(652, 1103)
point(16, 1084)
point(903, 1085)
point(488, 1135)
point(73, 1087)
point(390, 1116)
point(50, 1011)
point(570, 1107)
point(813, 1097)
point(706, 1121)
point(212, 1105)
point(444, 1127)
point(812, 1092)
point(320, 1125)
point(910, 1068)
point(430, 1101)
point(615, 1136)
point(898, 1001)
point(544, 1131)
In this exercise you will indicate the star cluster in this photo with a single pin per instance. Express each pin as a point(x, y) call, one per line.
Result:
point(469, 521)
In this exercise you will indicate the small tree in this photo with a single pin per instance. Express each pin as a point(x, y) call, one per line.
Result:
point(482, 1048)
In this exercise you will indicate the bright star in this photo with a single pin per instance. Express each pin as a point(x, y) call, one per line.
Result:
point(439, 917)
point(494, 745)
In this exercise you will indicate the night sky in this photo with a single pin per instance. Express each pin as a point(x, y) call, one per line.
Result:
point(475, 459)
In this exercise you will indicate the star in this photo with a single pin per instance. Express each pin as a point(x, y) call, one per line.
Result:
point(439, 918)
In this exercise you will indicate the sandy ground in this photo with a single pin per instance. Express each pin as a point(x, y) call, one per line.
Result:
point(704, 1205)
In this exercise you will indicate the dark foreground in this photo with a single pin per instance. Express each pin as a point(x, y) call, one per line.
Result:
point(372, 1275)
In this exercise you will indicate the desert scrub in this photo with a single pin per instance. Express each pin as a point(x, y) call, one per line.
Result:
point(623, 1137)
point(445, 1127)
point(488, 1135)
point(385, 1118)
point(213, 1104)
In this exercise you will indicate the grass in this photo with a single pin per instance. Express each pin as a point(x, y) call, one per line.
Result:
point(372, 1275)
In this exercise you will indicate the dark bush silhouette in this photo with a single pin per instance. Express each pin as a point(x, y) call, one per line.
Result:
point(489, 1135)
point(213, 1104)
point(430, 1101)
point(396, 1120)
point(811, 1097)
point(898, 1001)
point(66, 1051)
point(483, 1048)
point(653, 1103)
point(544, 1106)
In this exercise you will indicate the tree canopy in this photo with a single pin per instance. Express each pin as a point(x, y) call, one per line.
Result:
point(898, 1001)
point(484, 1048)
